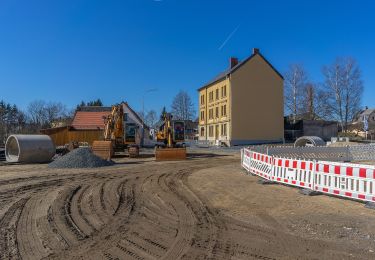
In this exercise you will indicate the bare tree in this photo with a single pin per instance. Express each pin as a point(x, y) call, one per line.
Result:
point(343, 80)
point(55, 111)
point(294, 83)
point(42, 114)
point(182, 106)
point(151, 118)
point(37, 113)
point(314, 102)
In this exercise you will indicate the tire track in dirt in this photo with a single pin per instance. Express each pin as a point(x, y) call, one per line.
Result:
point(8, 228)
point(140, 214)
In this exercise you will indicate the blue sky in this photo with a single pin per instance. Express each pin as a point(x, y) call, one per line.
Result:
point(68, 51)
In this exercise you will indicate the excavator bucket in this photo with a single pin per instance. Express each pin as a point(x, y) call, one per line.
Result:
point(103, 149)
point(170, 154)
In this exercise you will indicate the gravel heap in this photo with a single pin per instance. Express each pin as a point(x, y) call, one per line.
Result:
point(79, 158)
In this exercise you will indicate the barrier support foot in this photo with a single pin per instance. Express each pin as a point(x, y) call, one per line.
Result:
point(309, 192)
point(370, 205)
point(265, 182)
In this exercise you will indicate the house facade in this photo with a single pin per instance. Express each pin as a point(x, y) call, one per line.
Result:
point(358, 124)
point(243, 105)
point(88, 125)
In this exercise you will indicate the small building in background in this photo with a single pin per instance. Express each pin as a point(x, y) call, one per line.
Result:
point(321, 128)
point(88, 125)
point(358, 126)
point(191, 129)
point(243, 105)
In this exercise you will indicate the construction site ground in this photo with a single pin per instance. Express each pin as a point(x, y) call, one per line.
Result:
point(203, 208)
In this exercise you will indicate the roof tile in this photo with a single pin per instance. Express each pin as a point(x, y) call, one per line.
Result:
point(89, 120)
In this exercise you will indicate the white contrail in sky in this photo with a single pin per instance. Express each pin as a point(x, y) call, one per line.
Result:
point(229, 37)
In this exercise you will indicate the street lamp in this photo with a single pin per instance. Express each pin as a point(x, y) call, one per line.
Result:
point(143, 112)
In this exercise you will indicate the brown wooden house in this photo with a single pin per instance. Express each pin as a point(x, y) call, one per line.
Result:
point(88, 126)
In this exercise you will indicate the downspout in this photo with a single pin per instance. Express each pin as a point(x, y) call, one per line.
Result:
point(230, 109)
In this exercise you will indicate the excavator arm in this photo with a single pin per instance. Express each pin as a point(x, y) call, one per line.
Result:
point(113, 134)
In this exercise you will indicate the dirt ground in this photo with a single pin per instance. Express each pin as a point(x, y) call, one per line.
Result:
point(202, 208)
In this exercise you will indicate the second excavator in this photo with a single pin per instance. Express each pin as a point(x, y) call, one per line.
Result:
point(171, 136)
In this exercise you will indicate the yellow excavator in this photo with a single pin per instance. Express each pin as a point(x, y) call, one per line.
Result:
point(113, 135)
point(171, 136)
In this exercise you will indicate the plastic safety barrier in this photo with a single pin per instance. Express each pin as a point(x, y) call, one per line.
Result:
point(246, 155)
point(345, 179)
point(261, 165)
point(294, 172)
point(356, 181)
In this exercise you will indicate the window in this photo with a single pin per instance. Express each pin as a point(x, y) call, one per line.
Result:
point(224, 91)
point(125, 117)
point(211, 96)
point(202, 100)
point(217, 94)
point(217, 112)
point(210, 113)
point(202, 115)
point(211, 131)
point(202, 131)
point(224, 113)
point(224, 129)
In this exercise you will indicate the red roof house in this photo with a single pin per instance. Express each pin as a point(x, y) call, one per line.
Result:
point(84, 120)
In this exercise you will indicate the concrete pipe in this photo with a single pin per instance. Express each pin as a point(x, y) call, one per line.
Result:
point(309, 141)
point(29, 148)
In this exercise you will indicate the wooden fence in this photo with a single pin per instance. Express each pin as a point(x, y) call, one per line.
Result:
point(64, 135)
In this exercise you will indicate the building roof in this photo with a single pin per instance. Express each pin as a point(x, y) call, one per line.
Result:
point(91, 117)
point(229, 71)
point(136, 115)
point(84, 120)
point(365, 112)
point(95, 109)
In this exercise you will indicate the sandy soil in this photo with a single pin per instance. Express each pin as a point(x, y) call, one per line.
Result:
point(201, 208)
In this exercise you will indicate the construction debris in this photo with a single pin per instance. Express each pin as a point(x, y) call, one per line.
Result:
point(80, 158)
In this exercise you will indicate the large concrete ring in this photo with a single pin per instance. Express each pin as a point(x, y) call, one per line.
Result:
point(29, 148)
point(309, 141)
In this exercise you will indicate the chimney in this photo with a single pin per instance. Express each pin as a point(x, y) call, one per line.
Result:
point(255, 50)
point(233, 62)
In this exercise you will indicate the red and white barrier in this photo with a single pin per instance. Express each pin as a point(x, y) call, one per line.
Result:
point(294, 172)
point(246, 156)
point(344, 179)
point(355, 181)
point(261, 165)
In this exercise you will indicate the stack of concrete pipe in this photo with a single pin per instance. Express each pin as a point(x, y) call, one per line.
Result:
point(29, 148)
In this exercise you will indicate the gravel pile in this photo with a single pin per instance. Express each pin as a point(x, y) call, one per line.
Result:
point(79, 158)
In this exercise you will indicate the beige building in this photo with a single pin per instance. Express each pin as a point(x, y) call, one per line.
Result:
point(243, 105)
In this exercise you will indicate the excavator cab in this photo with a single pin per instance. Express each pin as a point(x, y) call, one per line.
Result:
point(172, 134)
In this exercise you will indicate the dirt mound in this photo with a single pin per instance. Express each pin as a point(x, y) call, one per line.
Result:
point(80, 158)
